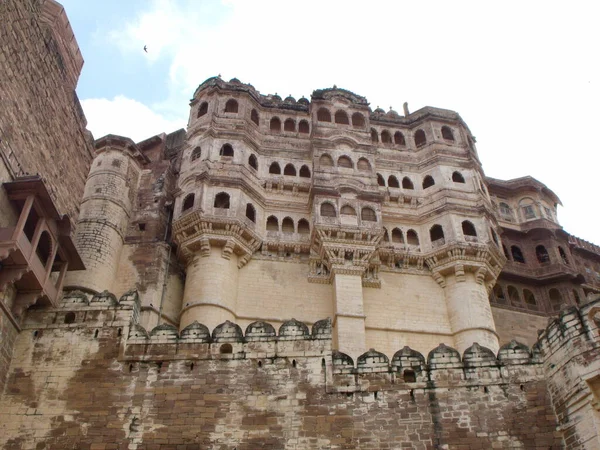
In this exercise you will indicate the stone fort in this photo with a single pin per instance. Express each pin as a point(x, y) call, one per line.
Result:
point(283, 274)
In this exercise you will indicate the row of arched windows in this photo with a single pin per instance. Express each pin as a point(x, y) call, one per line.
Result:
point(366, 213)
point(513, 297)
point(419, 137)
point(289, 170)
point(289, 125)
point(407, 183)
point(541, 253)
point(344, 161)
point(436, 234)
point(288, 225)
point(341, 117)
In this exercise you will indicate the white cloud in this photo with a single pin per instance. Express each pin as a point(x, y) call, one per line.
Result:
point(522, 74)
point(126, 117)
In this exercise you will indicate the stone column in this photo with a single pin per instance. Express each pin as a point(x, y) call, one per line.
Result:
point(469, 312)
point(349, 322)
point(210, 293)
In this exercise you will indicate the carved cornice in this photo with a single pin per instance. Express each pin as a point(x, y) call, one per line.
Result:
point(196, 232)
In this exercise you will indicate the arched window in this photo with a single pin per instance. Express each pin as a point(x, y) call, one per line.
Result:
point(517, 254)
point(287, 226)
point(323, 115)
point(368, 214)
point(222, 200)
point(303, 127)
point(358, 120)
point(226, 150)
point(203, 109)
point(529, 297)
point(397, 236)
point(542, 254)
point(505, 211)
point(555, 299)
point(380, 180)
point(344, 161)
point(253, 162)
point(328, 210)
point(468, 228)
point(341, 117)
point(44, 248)
point(447, 133)
point(231, 106)
point(498, 294)
point(188, 202)
point(420, 138)
point(374, 136)
point(289, 170)
point(513, 295)
point(304, 172)
point(196, 153)
point(272, 223)
point(289, 125)
point(407, 183)
point(458, 178)
point(254, 116)
point(412, 238)
point(386, 137)
point(303, 226)
point(250, 212)
point(325, 160)
point(563, 255)
point(275, 169)
point(393, 182)
point(348, 210)
point(436, 234)
point(399, 138)
point(363, 164)
point(428, 181)
point(275, 124)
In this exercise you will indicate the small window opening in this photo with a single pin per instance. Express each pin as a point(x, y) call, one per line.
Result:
point(130, 368)
point(303, 226)
point(203, 109)
point(436, 233)
point(226, 150)
point(275, 169)
point(517, 254)
point(407, 183)
point(119, 332)
point(348, 210)
point(253, 162)
point(386, 137)
point(294, 363)
point(363, 164)
point(399, 138)
point(36, 333)
point(393, 182)
point(323, 115)
point(529, 297)
point(254, 116)
point(563, 255)
point(250, 212)
point(191, 367)
point(342, 118)
point(69, 317)
point(555, 299)
point(231, 106)
point(468, 228)
point(272, 223)
point(259, 364)
point(188, 202)
point(328, 210)
point(289, 125)
point(325, 160)
point(542, 254)
point(368, 214)
point(410, 376)
point(141, 226)
point(358, 120)
point(344, 161)
point(275, 124)
point(447, 133)
point(222, 200)
point(96, 334)
point(303, 127)
point(397, 236)
point(458, 178)
point(374, 136)
point(420, 138)
point(498, 294)
point(304, 172)
point(287, 225)
point(513, 295)
point(289, 170)
point(226, 349)
point(375, 395)
point(412, 238)
point(380, 180)
point(196, 153)
point(428, 181)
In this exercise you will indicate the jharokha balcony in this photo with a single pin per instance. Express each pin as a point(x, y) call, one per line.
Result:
point(37, 251)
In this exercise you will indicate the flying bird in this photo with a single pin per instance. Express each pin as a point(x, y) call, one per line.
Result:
point(145, 49)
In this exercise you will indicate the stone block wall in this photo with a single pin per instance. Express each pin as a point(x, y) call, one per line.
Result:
point(87, 376)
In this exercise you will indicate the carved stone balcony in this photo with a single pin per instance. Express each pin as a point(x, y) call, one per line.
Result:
point(37, 251)
point(552, 271)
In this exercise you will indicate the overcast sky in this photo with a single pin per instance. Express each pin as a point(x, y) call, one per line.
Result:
point(524, 75)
